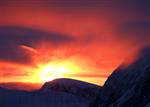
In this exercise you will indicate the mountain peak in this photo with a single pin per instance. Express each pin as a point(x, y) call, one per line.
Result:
point(129, 83)
point(74, 87)
point(67, 82)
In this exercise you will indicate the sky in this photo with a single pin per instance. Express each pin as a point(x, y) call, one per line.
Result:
point(89, 37)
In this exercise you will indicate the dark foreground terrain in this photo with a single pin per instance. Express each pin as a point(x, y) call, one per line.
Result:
point(57, 93)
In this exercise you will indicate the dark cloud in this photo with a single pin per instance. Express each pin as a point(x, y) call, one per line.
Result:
point(137, 5)
point(113, 6)
point(59, 3)
point(139, 30)
point(134, 5)
point(78, 3)
point(12, 37)
point(132, 21)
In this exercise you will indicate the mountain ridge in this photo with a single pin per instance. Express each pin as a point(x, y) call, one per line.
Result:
point(128, 86)
point(55, 95)
point(75, 87)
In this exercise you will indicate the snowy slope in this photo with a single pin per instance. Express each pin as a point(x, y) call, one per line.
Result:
point(74, 87)
point(58, 93)
point(128, 86)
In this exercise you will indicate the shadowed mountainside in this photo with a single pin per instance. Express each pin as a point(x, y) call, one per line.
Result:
point(129, 85)
point(74, 87)
point(57, 93)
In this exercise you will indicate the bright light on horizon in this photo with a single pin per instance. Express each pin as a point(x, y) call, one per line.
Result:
point(54, 70)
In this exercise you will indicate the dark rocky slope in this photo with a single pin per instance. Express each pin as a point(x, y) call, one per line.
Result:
point(129, 85)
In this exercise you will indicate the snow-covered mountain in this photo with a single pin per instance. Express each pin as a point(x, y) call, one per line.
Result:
point(57, 93)
point(74, 87)
point(129, 85)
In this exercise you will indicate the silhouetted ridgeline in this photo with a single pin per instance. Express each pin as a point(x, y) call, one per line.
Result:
point(128, 86)
point(57, 93)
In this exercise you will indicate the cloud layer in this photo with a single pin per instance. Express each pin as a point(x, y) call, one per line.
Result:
point(11, 37)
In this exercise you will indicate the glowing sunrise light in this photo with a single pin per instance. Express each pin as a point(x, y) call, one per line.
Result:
point(55, 70)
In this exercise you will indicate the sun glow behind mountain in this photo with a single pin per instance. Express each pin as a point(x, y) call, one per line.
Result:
point(48, 64)
point(60, 69)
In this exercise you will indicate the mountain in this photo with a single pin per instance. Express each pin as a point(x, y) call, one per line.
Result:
point(128, 85)
point(57, 93)
point(74, 87)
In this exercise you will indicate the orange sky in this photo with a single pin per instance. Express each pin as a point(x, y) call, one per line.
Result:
point(99, 36)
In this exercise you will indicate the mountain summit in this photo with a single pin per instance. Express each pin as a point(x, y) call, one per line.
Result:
point(71, 86)
point(128, 86)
